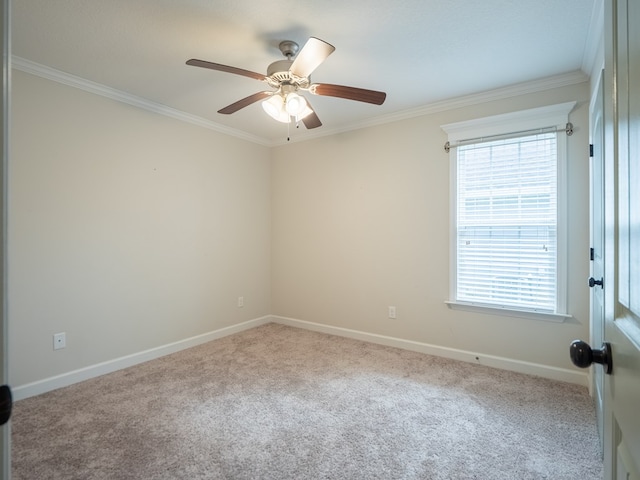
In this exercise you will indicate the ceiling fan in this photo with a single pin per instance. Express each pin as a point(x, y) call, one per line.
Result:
point(290, 77)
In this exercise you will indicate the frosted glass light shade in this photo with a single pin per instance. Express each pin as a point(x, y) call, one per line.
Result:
point(283, 108)
point(274, 106)
point(306, 111)
point(295, 104)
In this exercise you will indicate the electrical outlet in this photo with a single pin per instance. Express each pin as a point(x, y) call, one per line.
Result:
point(392, 312)
point(59, 341)
point(240, 302)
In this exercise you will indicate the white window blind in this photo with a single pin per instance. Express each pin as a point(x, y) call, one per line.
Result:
point(506, 222)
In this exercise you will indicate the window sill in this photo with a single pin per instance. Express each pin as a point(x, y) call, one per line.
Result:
point(508, 312)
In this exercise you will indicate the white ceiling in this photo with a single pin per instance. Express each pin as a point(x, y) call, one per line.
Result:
point(418, 51)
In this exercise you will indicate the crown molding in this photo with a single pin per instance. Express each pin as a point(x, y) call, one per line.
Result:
point(534, 86)
point(524, 88)
point(68, 79)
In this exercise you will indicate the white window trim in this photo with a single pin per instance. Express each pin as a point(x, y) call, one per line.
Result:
point(535, 118)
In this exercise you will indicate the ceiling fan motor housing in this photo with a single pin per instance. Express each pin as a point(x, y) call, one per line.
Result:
point(278, 74)
point(281, 67)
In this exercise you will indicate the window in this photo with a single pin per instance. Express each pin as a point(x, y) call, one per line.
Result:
point(507, 222)
point(508, 242)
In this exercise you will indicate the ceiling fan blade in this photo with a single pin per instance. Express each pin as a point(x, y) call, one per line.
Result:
point(350, 93)
point(245, 102)
point(225, 68)
point(311, 120)
point(314, 52)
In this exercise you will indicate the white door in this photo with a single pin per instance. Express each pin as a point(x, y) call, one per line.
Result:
point(596, 128)
point(622, 238)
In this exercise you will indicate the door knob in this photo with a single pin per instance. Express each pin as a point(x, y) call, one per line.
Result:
point(582, 355)
point(6, 402)
point(593, 282)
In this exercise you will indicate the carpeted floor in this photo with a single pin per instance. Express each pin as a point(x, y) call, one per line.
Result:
point(276, 402)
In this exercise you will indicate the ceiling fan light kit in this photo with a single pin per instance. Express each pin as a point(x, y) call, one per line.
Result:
point(283, 110)
point(289, 78)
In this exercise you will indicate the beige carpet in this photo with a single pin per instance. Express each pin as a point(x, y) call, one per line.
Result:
point(281, 403)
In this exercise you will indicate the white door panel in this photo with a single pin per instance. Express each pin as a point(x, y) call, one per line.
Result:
point(622, 238)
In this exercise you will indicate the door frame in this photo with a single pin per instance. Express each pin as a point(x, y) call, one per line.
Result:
point(596, 215)
point(5, 39)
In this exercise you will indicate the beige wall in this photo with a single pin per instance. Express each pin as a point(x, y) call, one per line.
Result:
point(361, 222)
point(127, 230)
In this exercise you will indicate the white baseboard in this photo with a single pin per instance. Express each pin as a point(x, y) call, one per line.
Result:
point(75, 376)
point(545, 371)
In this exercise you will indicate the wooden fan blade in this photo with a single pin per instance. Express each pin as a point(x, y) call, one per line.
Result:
point(225, 68)
point(350, 93)
point(311, 120)
point(245, 102)
point(314, 52)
